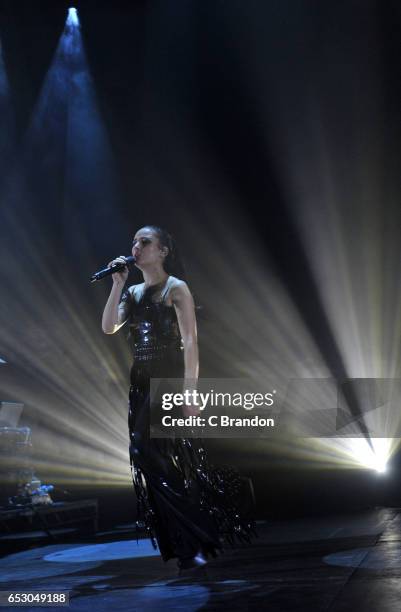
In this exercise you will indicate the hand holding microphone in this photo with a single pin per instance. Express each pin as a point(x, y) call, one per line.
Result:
point(118, 268)
point(121, 274)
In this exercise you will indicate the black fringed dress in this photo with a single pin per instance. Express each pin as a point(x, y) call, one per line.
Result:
point(187, 505)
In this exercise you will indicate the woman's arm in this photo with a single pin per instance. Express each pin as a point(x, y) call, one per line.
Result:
point(113, 315)
point(185, 310)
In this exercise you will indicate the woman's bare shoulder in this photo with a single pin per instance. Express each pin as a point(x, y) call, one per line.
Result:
point(135, 291)
point(177, 286)
point(176, 282)
point(178, 290)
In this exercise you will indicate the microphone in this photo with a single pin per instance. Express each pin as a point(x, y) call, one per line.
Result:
point(118, 267)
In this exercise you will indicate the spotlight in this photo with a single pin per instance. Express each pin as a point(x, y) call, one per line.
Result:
point(72, 18)
point(381, 467)
point(373, 457)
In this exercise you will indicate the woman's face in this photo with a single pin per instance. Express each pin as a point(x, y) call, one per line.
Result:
point(146, 248)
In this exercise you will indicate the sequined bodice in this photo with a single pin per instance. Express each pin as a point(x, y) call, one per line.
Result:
point(153, 329)
point(154, 325)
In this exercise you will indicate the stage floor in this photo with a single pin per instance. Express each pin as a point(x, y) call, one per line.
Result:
point(341, 564)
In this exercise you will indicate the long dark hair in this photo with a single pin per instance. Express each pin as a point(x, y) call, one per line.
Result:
point(172, 263)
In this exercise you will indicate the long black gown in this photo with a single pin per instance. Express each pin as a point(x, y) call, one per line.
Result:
point(186, 505)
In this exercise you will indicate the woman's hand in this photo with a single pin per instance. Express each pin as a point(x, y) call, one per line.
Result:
point(115, 316)
point(119, 278)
